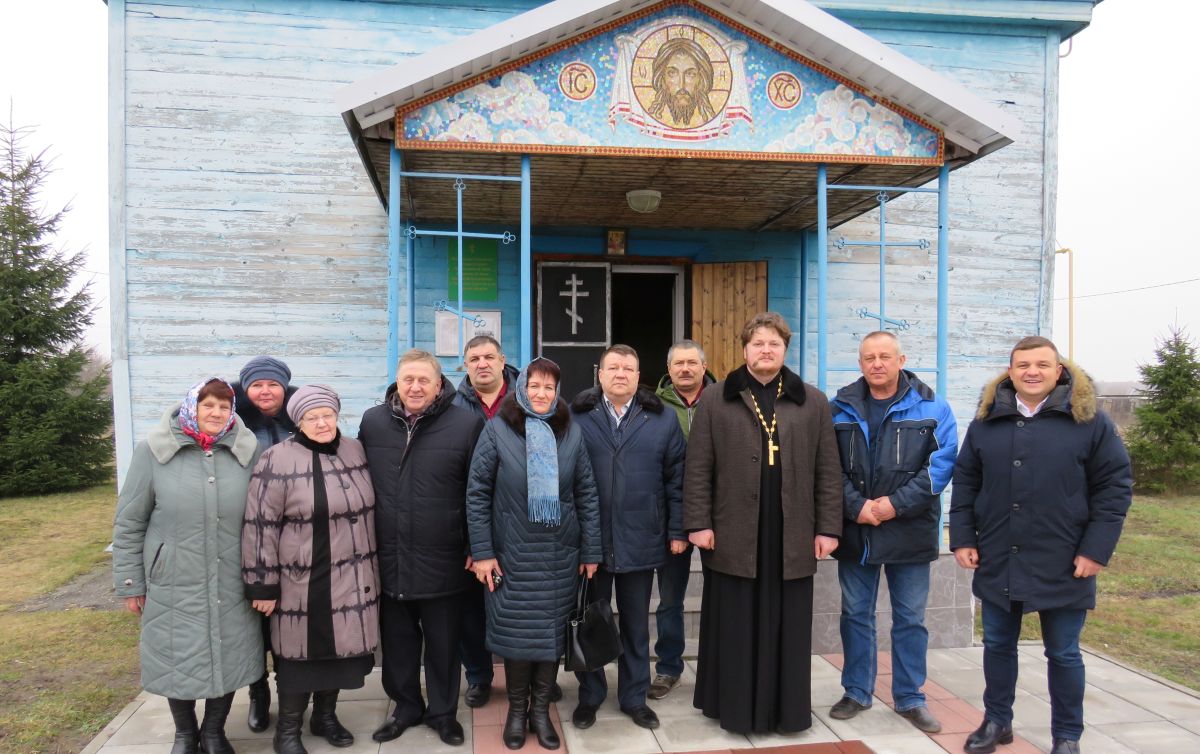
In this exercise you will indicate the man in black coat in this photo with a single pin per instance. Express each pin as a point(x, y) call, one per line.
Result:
point(637, 450)
point(489, 379)
point(1041, 488)
point(419, 449)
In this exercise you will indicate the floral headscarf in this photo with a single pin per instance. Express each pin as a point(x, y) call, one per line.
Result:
point(187, 415)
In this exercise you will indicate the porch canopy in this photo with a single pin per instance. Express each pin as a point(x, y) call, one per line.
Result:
point(572, 84)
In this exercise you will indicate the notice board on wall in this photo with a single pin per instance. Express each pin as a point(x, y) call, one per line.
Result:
point(481, 264)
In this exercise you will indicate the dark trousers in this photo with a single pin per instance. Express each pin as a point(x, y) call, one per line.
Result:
point(476, 659)
point(672, 588)
point(407, 627)
point(633, 666)
point(1064, 665)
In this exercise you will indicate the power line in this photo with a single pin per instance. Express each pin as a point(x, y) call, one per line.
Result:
point(1131, 290)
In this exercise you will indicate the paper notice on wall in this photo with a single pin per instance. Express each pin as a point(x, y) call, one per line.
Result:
point(446, 334)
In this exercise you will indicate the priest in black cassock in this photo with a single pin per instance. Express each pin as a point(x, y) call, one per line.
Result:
point(763, 500)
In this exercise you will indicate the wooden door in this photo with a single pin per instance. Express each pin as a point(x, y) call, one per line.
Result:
point(724, 297)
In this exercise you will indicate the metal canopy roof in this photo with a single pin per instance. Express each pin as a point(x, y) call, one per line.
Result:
point(972, 127)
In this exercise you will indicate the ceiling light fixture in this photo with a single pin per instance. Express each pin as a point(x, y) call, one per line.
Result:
point(643, 200)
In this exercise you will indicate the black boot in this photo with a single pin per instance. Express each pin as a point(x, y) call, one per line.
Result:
point(187, 735)
point(212, 729)
point(540, 723)
point(325, 723)
point(288, 724)
point(259, 717)
point(517, 677)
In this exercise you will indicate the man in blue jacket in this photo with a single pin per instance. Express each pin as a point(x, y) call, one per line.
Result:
point(897, 440)
point(1041, 490)
point(637, 449)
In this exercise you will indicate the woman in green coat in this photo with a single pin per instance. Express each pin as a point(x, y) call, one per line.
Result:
point(177, 562)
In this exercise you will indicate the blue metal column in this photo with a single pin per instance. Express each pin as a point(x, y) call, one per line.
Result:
point(459, 187)
point(822, 271)
point(882, 258)
point(943, 275)
point(526, 268)
point(805, 241)
point(393, 294)
point(411, 275)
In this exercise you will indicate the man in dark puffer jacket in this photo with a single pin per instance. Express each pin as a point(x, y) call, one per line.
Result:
point(637, 449)
point(419, 449)
point(1041, 489)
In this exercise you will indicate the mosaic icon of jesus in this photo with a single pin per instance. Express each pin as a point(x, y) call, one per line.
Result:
point(681, 76)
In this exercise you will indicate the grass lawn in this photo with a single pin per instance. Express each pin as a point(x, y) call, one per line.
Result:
point(1148, 603)
point(63, 673)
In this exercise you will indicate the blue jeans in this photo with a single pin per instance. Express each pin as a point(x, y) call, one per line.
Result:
point(908, 584)
point(1064, 665)
point(672, 586)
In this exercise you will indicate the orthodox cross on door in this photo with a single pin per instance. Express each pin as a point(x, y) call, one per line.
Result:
point(574, 293)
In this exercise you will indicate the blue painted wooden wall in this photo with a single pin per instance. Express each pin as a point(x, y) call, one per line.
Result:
point(249, 224)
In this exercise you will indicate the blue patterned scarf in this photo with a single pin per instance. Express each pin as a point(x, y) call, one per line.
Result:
point(187, 415)
point(541, 458)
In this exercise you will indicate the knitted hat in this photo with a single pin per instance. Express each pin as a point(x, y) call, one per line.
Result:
point(312, 396)
point(265, 368)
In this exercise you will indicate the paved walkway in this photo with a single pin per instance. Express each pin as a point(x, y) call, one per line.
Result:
point(1126, 712)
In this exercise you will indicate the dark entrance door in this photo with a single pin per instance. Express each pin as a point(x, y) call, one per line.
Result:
point(584, 307)
point(643, 316)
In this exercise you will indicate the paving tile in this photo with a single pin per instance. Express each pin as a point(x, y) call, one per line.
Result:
point(836, 660)
point(696, 733)
point(822, 668)
point(1152, 738)
point(962, 682)
point(853, 747)
point(934, 691)
point(1020, 746)
point(1092, 741)
point(489, 739)
point(1161, 701)
point(610, 737)
point(969, 712)
point(1193, 724)
point(973, 655)
point(883, 688)
point(947, 660)
point(879, 720)
point(906, 744)
point(1030, 711)
point(372, 689)
point(1100, 707)
point(149, 724)
point(952, 720)
point(164, 748)
point(817, 748)
point(884, 663)
point(818, 733)
point(952, 742)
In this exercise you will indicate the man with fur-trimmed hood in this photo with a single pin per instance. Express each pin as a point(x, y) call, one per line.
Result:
point(1041, 488)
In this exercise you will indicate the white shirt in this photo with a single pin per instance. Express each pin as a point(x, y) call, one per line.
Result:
point(617, 413)
point(1026, 411)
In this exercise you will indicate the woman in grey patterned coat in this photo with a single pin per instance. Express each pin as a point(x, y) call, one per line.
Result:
point(308, 560)
point(534, 520)
point(176, 537)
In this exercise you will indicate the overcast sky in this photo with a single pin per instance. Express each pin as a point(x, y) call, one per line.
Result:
point(1122, 189)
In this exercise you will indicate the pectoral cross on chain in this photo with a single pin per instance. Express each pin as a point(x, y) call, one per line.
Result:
point(771, 448)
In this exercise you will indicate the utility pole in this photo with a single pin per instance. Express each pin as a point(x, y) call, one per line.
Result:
point(1070, 301)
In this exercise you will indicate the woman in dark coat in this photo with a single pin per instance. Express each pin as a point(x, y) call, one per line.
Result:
point(534, 520)
point(308, 561)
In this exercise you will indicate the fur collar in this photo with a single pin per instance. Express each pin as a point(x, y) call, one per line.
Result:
point(590, 398)
point(739, 380)
point(514, 416)
point(1074, 390)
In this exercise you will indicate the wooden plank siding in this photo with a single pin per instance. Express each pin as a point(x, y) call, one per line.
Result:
point(250, 226)
point(1001, 220)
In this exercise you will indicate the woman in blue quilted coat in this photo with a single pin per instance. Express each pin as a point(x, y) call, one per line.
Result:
point(534, 521)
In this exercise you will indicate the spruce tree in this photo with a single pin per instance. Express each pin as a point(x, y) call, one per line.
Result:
point(54, 424)
point(1165, 441)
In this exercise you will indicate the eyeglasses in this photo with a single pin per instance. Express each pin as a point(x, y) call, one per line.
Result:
point(329, 418)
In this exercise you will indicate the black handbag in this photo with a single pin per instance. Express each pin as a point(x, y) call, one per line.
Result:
point(592, 636)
